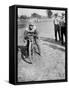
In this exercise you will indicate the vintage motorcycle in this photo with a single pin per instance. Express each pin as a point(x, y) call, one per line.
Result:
point(32, 46)
point(32, 49)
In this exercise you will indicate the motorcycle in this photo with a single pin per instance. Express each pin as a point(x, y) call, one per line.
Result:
point(32, 49)
point(31, 46)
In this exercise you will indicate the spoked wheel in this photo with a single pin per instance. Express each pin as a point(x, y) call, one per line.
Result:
point(31, 51)
point(25, 59)
point(23, 54)
point(30, 54)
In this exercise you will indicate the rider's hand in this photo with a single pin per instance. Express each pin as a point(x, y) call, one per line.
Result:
point(24, 41)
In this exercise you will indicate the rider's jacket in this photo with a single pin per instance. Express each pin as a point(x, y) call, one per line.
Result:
point(63, 22)
point(33, 31)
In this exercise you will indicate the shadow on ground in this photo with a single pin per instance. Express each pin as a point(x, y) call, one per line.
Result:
point(23, 53)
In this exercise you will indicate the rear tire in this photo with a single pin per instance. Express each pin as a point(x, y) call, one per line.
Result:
point(30, 54)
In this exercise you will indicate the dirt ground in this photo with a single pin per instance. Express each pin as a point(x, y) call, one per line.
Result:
point(49, 66)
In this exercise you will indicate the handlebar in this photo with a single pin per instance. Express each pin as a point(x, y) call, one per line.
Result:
point(32, 35)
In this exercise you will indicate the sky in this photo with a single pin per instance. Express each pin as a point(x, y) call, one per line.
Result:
point(28, 12)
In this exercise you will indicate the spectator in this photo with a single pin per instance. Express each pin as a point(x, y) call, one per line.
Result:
point(63, 29)
point(57, 27)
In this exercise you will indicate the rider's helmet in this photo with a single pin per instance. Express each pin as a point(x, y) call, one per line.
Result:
point(31, 25)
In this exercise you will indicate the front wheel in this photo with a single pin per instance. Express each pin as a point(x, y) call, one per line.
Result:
point(31, 51)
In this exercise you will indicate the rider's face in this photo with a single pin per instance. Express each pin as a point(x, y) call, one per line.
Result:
point(55, 16)
point(31, 27)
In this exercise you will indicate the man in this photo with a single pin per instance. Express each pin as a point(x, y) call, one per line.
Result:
point(63, 28)
point(31, 30)
point(57, 27)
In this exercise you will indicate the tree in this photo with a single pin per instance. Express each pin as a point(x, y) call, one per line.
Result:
point(35, 15)
point(23, 17)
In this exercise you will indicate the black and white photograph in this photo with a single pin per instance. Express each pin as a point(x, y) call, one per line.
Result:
point(42, 42)
point(34, 40)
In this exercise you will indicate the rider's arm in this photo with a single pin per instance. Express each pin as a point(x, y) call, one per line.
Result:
point(36, 34)
point(25, 35)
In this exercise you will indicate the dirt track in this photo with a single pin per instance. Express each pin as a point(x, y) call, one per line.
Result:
point(49, 66)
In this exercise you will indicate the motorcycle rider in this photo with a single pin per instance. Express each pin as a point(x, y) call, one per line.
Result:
point(31, 30)
point(57, 27)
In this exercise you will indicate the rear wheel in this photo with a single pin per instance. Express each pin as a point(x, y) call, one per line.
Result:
point(30, 54)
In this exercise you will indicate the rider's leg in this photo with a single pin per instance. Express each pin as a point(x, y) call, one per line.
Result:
point(59, 33)
point(38, 47)
point(27, 48)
